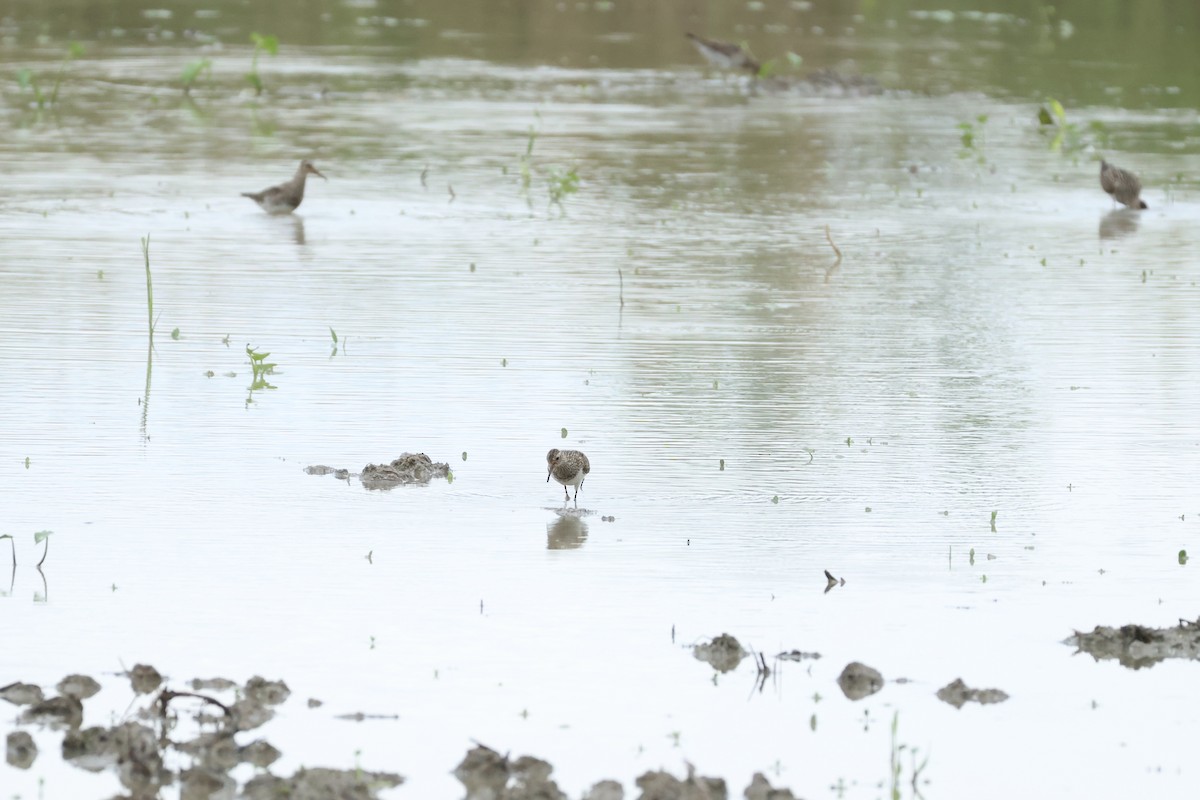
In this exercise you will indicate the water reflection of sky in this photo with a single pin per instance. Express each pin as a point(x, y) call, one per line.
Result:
point(941, 372)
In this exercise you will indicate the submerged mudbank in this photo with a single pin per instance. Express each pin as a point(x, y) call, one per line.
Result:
point(487, 775)
point(146, 759)
point(723, 653)
point(958, 693)
point(824, 83)
point(408, 469)
point(1136, 646)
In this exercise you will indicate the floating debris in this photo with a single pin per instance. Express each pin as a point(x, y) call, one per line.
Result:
point(957, 693)
point(360, 716)
point(408, 469)
point(1136, 646)
point(22, 694)
point(212, 684)
point(797, 655)
point(723, 653)
point(831, 581)
point(858, 681)
point(78, 686)
point(20, 750)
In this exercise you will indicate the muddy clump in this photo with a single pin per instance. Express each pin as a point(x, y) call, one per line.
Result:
point(606, 790)
point(22, 694)
point(407, 470)
point(858, 681)
point(1136, 646)
point(487, 775)
point(958, 693)
point(321, 784)
point(144, 678)
point(130, 749)
point(760, 789)
point(20, 750)
point(146, 758)
point(81, 687)
point(659, 785)
point(57, 713)
point(723, 653)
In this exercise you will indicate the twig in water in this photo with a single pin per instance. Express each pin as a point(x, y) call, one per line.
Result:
point(621, 277)
point(424, 174)
point(167, 695)
point(450, 189)
point(829, 238)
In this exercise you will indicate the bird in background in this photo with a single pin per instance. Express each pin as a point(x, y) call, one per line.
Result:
point(1123, 185)
point(568, 467)
point(286, 197)
point(725, 55)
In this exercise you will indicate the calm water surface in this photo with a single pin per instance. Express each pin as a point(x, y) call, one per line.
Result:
point(994, 338)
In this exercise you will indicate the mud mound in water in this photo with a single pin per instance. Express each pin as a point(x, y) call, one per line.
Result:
point(407, 470)
point(1136, 646)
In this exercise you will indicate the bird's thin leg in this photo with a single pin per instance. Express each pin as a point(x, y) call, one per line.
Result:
point(566, 494)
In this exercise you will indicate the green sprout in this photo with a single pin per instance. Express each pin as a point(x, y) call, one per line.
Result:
point(260, 368)
point(193, 71)
point(268, 44)
point(561, 184)
point(149, 287)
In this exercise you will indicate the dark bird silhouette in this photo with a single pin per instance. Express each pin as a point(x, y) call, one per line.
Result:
point(286, 197)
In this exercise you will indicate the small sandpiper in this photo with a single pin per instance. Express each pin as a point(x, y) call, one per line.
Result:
point(1123, 185)
point(286, 197)
point(568, 467)
point(725, 55)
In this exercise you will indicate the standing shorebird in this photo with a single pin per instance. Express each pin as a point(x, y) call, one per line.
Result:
point(725, 55)
point(1123, 185)
point(286, 197)
point(568, 467)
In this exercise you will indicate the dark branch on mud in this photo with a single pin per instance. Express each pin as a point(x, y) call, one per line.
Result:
point(167, 695)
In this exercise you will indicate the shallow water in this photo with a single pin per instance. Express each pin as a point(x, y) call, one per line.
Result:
point(993, 339)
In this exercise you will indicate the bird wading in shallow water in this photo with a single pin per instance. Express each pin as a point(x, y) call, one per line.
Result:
point(568, 467)
point(286, 197)
point(1123, 185)
point(725, 55)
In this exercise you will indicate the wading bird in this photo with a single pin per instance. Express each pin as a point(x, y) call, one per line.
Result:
point(286, 197)
point(1123, 185)
point(568, 467)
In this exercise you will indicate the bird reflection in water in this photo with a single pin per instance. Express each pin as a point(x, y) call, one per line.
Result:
point(298, 229)
point(1118, 223)
point(568, 532)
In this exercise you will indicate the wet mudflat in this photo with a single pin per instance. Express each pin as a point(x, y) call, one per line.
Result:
point(551, 228)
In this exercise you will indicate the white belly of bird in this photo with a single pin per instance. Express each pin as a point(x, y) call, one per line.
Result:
point(574, 480)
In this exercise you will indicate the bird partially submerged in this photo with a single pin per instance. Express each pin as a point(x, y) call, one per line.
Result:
point(286, 197)
point(725, 55)
point(1123, 185)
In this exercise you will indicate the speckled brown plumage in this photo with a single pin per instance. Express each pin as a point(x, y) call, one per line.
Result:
point(568, 467)
point(1123, 185)
point(286, 197)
